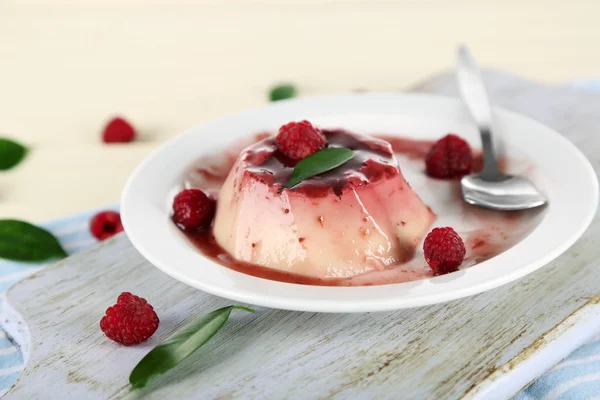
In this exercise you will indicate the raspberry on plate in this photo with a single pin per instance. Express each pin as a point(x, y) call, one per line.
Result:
point(106, 224)
point(298, 140)
point(444, 250)
point(131, 321)
point(450, 157)
point(193, 210)
point(118, 130)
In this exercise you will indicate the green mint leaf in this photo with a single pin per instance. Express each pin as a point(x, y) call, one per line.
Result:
point(317, 163)
point(179, 346)
point(11, 153)
point(21, 241)
point(282, 92)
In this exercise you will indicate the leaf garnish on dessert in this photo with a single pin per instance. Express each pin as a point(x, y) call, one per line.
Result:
point(179, 346)
point(317, 163)
point(22, 241)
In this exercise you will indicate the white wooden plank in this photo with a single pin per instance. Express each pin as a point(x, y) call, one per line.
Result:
point(423, 353)
point(462, 348)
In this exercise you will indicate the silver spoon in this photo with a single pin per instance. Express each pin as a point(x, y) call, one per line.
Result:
point(490, 188)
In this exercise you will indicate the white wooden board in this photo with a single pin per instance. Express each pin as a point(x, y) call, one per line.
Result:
point(486, 346)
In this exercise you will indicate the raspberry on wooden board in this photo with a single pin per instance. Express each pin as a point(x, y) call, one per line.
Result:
point(106, 224)
point(130, 321)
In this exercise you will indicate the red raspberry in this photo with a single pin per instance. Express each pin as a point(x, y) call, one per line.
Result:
point(106, 224)
point(298, 140)
point(450, 157)
point(193, 210)
point(444, 250)
point(131, 321)
point(118, 131)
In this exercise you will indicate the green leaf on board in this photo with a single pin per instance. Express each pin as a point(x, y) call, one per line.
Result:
point(22, 241)
point(179, 346)
point(317, 163)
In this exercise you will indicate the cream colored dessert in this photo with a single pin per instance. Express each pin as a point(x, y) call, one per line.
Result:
point(360, 217)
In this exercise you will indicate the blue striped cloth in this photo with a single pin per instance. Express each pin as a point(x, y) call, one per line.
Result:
point(74, 235)
point(576, 377)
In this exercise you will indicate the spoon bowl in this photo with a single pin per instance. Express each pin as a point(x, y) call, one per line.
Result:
point(507, 193)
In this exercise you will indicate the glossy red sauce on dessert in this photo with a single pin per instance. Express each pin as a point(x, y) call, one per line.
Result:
point(504, 230)
point(373, 159)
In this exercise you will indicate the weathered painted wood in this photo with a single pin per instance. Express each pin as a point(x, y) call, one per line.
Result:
point(459, 349)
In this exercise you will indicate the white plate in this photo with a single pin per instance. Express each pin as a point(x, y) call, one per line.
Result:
point(568, 181)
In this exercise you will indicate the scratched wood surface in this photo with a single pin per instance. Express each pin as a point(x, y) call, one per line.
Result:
point(443, 351)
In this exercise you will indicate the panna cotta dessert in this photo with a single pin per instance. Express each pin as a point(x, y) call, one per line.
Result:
point(358, 217)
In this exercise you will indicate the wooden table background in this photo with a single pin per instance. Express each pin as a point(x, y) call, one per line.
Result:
point(67, 65)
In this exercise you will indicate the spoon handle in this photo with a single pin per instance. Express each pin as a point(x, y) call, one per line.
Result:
point(473, 93)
